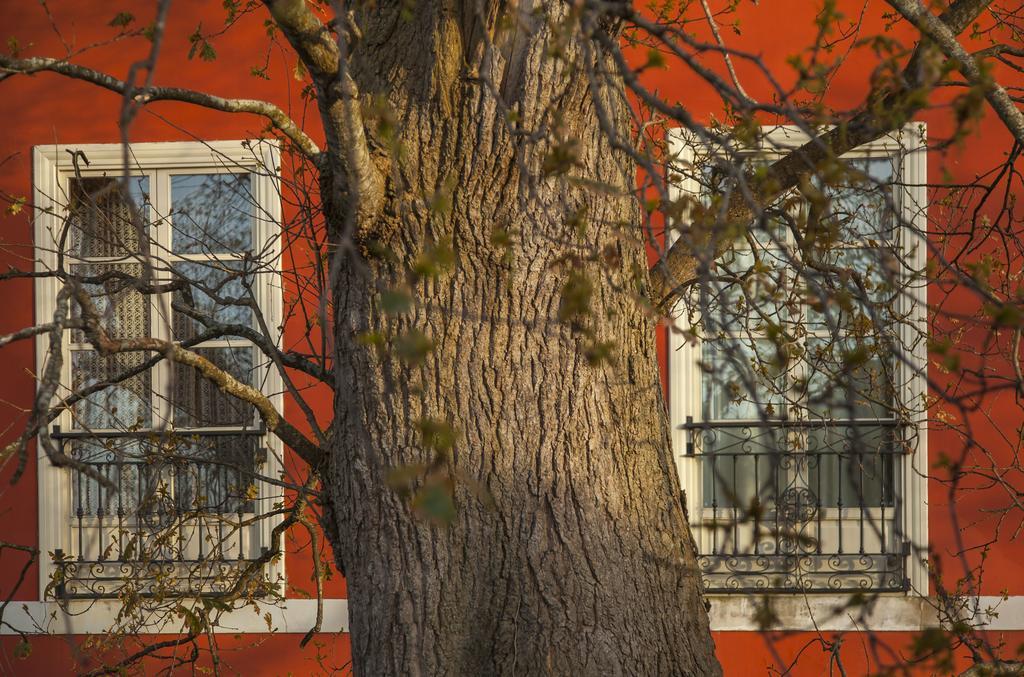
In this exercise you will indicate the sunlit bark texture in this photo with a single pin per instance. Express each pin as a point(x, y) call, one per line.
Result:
point(568, 551)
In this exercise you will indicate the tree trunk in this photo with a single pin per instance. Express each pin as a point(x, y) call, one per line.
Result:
point(568, 552)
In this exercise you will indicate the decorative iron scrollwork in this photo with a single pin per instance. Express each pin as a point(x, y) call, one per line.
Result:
point(800, 506)
point(797, 506)
point(177, 518)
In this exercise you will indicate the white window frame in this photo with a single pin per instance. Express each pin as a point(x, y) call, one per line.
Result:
point(684, 390)
point(52, 167)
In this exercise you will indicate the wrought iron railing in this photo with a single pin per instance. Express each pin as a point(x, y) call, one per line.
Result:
point(808, 506)
point(158, 513)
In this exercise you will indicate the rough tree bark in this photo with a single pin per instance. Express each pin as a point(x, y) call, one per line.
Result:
point(583, 564)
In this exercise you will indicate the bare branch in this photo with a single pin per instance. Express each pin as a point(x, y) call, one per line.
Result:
point(272, 113)
point(30, 332)
point(228, 384)
point(930, 25)
point(40, 414)
point(725, 53)
point(882, 115)
point(355, 175)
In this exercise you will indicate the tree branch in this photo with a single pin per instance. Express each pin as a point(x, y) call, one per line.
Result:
point(38, 418)
point(31, 332)
point(353, 173)
point(272, 113)
point(228, 384)
point(930, 26)
point(881, 115)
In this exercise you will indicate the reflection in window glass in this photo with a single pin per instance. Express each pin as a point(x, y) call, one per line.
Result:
point(859, 209)
point(123, 310)
point(748, 290)
point(847, 379)
point(740, 382)
point(216, 290)
point(842, 306)
point(211, 213)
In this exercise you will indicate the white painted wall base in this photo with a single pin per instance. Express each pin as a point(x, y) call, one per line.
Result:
point(884, 613)
point(86, 618)
point(728, 613)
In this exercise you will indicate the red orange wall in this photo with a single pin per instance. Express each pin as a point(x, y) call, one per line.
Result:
point(47, 109)
point(277, 654)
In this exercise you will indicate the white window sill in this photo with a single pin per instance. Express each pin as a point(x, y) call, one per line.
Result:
point(885, 612)
point(89, 617)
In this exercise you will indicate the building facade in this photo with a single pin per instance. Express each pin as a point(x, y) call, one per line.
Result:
point(863, 507)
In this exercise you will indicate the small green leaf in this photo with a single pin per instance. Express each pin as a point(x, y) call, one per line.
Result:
point(200, 45)
point(436, 435)
point(501, 238)
point(561, 158)
point(504, 240)
point(441, 200)
point(395, 301)
point(597, 352)
point(121, 20)
point(435, 503)
point(193, 620)
point(413, 347)
point(23, 649)
point(370, 338)
point(194, 40)
point(206, 52)
point(435, 259)
point(379, 250)
point(401, 478)
point(577, 220)
point(655, 59)
point(231, 8)
point(576, 295)
point(17, 204)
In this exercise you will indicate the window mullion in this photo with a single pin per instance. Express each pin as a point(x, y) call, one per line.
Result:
point(161, 312)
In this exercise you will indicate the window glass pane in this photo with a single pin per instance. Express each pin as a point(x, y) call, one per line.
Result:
point(747, 291)
point(211, 213)
point(121, 461)
point(101, 215)
point(840, 305)
point(214, 290)
point(848, 379)
point(221, 475)
point(199, 403)
point(859, 210)
point(124, 312)
point(851, 465)
point(742, 379)
point(121, 406)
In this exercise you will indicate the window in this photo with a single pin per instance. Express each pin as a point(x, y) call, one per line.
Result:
point(167, 486)
point(797, 391)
